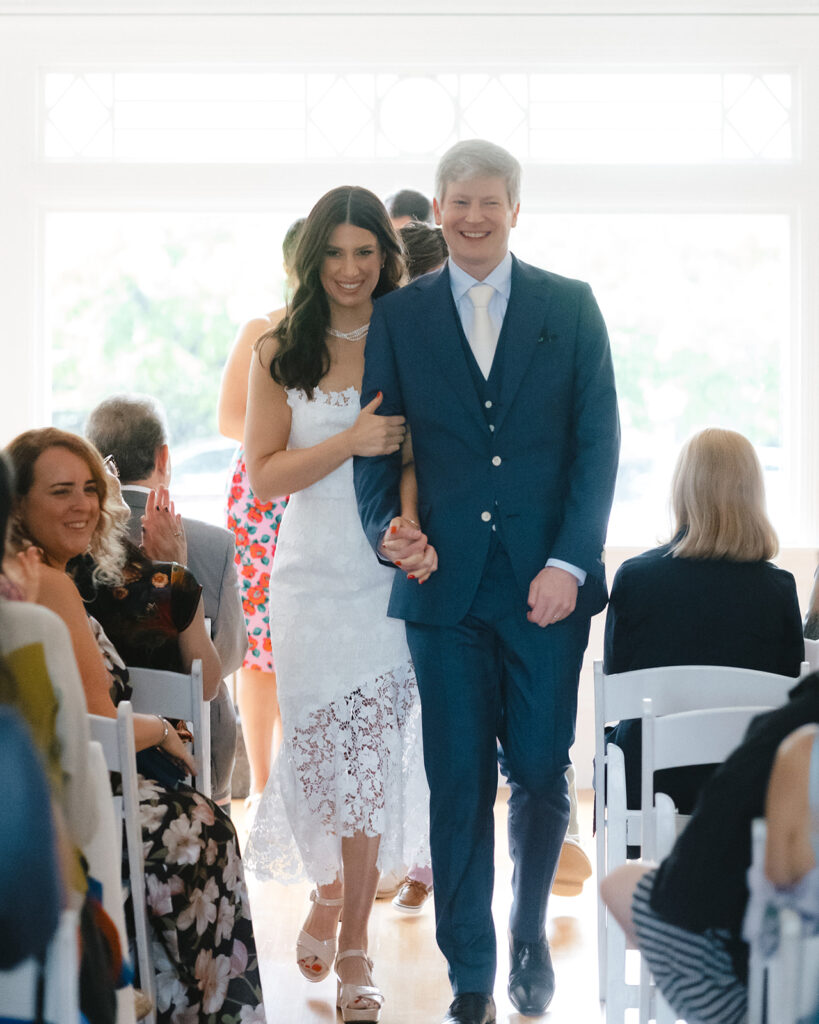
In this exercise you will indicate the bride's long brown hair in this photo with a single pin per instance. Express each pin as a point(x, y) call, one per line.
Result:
point(302, 358)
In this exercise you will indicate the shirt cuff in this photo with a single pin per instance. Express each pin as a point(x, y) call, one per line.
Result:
point(579, 574)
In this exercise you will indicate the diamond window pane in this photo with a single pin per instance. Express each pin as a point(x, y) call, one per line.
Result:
point(417, 115)
point(566, 116)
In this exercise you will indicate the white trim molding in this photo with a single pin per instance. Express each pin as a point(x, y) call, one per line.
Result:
point(426, 8)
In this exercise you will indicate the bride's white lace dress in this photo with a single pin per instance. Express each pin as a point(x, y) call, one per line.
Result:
point(351, 757)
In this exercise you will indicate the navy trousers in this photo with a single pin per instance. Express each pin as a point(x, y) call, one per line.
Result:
point(495, 688)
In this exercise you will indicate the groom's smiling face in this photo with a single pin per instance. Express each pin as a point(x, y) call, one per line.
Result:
point(476, 217)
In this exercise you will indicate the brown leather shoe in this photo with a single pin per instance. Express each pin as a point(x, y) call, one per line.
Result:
point(573, 868)
point(388, 886)
point(412, 896)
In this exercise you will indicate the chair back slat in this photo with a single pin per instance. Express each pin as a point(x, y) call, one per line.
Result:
point(177, 695)
point(116, 738)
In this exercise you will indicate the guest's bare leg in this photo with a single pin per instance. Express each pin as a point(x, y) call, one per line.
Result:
point(617, 890)
point(261, 722)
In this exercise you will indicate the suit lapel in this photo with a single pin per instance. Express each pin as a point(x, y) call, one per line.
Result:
point(444, 339)
point(523, 330)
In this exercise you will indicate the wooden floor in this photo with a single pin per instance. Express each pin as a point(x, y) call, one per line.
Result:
point(408, 966)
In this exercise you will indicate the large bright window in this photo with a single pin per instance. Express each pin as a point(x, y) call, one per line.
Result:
point(669, 162)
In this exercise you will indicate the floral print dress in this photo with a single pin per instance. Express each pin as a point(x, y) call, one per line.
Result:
point(255, 525)
point(205, 962)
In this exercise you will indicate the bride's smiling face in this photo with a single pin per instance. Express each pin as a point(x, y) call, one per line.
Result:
point(351, 267)
point(62, 507)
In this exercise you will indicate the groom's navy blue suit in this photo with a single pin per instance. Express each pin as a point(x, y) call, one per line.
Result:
point(512, 471)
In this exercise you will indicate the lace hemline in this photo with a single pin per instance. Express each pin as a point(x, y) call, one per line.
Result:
point(353, 765)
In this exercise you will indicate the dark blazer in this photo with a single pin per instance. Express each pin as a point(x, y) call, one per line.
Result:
point(685, 611)
point(702, 882)
point(211, 552)
point(544, 475)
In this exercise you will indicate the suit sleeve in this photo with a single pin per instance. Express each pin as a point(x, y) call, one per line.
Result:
point(377, 477)
point(229, 630)
point(596, 443)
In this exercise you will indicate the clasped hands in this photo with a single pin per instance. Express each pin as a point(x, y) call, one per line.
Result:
point(406, 546)
point(552, 593)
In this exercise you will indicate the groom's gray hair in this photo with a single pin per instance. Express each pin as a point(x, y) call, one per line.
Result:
point(477, 158)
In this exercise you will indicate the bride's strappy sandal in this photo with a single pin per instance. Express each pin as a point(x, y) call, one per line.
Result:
point(349, 993)
point(324, 950)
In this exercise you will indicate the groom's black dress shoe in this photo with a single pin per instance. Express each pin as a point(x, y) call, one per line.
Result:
point(471, 1008)
point(531, 976)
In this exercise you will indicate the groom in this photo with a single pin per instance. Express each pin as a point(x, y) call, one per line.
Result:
point(504, 374)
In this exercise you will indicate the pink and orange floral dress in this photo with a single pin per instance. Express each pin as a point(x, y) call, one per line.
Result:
point(255, 525)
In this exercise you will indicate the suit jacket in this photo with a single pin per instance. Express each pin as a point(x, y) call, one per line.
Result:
point(687, 611)
point(691, 611)
point(543, 472)
point(211, 553)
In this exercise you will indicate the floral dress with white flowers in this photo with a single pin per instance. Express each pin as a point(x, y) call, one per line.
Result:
point(206, 968)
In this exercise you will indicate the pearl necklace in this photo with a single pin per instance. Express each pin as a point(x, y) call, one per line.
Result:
point(356, 335)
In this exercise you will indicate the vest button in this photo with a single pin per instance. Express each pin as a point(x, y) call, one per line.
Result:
point(486, 516)
point(496, 461)
point(487, 404)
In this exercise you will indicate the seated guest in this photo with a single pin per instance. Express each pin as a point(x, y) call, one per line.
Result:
point(132, 431)
point(686, 915)
point(792, 810)
point(708, 597)
point(408, 205)
point(204, 948)
point(41, 681)
point(154, 615)
point(30, 890)
point(790, 875)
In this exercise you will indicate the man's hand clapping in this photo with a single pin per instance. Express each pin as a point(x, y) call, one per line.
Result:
point(163, 534)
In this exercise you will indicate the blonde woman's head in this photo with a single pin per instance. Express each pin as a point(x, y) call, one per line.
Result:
point(718, 500)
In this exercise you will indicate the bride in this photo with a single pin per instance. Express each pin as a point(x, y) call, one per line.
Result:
point(347, 798)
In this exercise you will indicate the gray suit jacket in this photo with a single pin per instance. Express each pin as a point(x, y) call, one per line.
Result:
point(211, 551)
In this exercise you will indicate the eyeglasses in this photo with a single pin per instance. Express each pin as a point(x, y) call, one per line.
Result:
point(110, 466)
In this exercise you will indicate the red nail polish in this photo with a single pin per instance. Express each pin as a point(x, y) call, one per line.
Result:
point(410, 576)
point(380, 395)
point(397, 562)
point(393, 529)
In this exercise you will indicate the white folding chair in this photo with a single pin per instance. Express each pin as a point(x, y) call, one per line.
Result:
point(103, 852)
point(784, 987)
point(673, 689)
point(812, 654)
point(116, 737)
point(61, 972)
point(177, 695)
point(700, 737)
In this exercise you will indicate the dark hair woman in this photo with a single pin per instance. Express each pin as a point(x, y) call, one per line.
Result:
point(348, 788)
